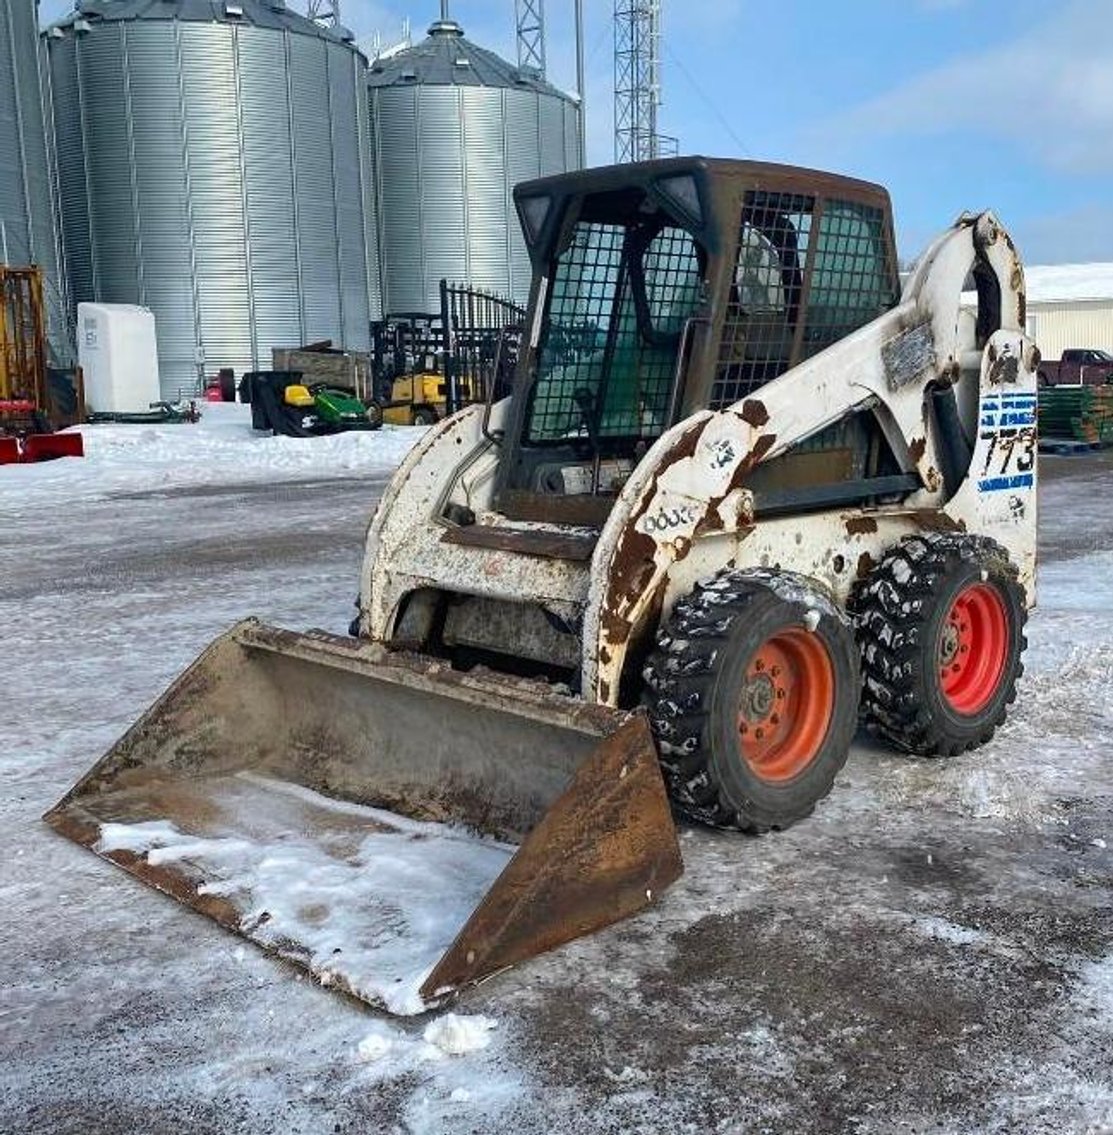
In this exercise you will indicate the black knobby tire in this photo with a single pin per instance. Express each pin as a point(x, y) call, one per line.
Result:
point(908, 612)
point(424, 416)
point(700, 677)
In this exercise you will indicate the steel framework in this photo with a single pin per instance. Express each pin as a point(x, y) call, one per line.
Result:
point(324, 12)
point(530, 17)
point(637, 81)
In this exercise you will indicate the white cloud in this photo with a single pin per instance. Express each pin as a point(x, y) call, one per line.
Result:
point(1049, 90)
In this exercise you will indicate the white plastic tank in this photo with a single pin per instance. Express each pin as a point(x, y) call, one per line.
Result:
point(118, 352)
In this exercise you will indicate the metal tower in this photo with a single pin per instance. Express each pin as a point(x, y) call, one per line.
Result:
point(637, 81)
point(530, 16)
point(324, 12)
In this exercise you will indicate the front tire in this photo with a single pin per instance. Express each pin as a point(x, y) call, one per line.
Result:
point(941, 628)
point(752, 693)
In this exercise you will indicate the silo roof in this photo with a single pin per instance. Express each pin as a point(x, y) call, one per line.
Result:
point(259, 13)
point(446, 58)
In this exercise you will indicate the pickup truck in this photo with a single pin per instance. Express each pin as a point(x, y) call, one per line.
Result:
point(1078, 365)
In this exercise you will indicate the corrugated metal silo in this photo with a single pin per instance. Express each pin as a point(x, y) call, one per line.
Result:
point(453, 128)
point(27, 230)
point(210, 158)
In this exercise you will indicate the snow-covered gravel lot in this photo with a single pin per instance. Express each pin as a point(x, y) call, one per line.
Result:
point(932, 952)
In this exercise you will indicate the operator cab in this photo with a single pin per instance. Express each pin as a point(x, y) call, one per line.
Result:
point(662, 288)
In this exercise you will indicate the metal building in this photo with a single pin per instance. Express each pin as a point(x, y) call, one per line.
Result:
point(453, 128)
point(211, 169)
point(1070, 305)
point(27, 223)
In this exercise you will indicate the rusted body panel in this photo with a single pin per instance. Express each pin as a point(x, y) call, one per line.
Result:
point(686, 511)
point(692, 482)
point(406, 550)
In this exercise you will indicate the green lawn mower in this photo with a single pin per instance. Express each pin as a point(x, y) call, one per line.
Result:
point(281, 402)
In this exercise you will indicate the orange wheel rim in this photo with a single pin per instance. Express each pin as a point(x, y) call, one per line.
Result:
point(973, 648)
point(786, 704)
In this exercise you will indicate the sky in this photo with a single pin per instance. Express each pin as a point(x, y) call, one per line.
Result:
point(953, 105)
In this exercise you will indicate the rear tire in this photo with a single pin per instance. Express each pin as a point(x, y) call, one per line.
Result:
point(425, 417)
point(752, 693)
point(941, 628)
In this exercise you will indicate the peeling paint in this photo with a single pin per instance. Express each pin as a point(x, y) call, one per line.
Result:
point(937, 521)
point(866, 564)
point(761, 447)
point(1004, 369)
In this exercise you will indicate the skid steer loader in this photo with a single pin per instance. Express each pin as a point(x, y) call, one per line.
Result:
point(745, 488)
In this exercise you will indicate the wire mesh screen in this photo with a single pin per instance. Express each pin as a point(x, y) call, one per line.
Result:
point(851, 280)
point(850, 283)
point(766, 294)
point(619, 302)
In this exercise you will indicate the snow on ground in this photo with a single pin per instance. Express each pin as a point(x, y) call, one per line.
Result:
point(931, 952)
point(220, 448)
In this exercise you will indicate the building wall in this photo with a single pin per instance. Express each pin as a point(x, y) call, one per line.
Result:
point(1080, 323)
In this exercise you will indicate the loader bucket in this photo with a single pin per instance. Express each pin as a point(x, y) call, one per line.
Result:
point(357, 811)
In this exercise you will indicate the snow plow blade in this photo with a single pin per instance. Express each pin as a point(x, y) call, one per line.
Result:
point(349, 808)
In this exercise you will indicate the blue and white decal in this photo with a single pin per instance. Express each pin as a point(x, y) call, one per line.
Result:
point(1008, 424)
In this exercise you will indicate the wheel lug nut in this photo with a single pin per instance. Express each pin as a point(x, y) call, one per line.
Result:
point(760, 734)
point(759, 665)
point(775, 671)
point(780, 693)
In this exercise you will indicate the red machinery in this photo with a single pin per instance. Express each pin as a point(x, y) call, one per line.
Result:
point(25, 430)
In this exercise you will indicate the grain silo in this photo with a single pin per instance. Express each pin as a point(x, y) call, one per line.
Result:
point(453, 129)
point(27, 230)
point(210, 161)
